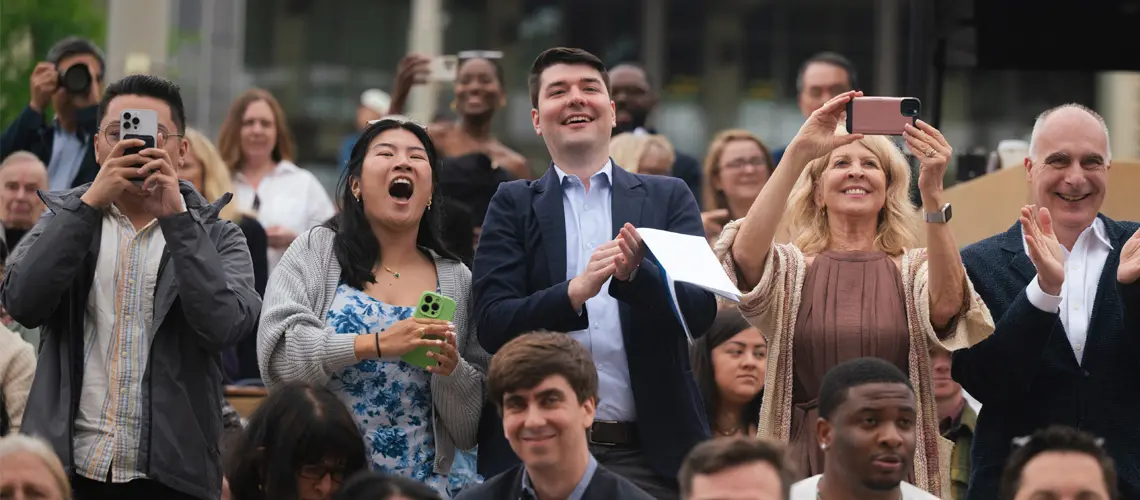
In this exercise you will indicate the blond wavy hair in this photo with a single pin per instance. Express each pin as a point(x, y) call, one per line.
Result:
point(626, 149)
point(897, 229)
point(215, 175)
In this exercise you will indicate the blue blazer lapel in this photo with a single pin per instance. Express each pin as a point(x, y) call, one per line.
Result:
point(1020, 262)
point(628, 199)
point(548, 209)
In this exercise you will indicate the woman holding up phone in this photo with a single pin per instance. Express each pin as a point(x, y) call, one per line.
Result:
point(339, 313)
point(853, 283)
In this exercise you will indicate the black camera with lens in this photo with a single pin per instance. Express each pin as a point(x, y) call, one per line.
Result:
point(910, 107)
point(76, 80)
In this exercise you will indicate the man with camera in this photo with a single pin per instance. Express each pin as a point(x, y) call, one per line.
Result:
point(71, 81)
point(137, 286)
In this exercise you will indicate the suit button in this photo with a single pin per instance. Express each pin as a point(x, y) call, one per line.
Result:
point(1085, 373)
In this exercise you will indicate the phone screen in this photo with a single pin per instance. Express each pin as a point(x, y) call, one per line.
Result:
point(443, 68)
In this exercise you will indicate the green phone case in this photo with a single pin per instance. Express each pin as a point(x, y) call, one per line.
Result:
point(432, 306)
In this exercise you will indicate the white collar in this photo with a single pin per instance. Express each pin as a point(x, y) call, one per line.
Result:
point(606, 171)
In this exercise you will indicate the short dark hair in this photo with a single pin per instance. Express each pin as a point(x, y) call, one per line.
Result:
point(834, 59)
point(716, 455)
point(854, 373)
point(149, 86)
point(74, 46)
point(527, 360)
point(1057, 438)
point(562, 55)
point(368, 485)
point(298, 424)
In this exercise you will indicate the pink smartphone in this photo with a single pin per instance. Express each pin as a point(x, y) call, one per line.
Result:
point(881, 115)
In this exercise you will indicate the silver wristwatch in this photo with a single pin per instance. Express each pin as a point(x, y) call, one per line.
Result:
point(941, 216)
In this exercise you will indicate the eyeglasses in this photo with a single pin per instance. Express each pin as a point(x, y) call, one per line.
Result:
point(318, 472)
point(112, 135)
point(740, 163)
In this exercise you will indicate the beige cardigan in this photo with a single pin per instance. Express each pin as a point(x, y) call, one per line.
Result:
point(773, 306)
point(17, 368)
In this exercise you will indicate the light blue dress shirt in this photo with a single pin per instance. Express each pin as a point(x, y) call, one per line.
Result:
point(589, 224)
point(67, 150)
point(579, 490)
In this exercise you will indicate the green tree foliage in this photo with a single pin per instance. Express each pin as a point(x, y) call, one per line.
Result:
point(28, 28)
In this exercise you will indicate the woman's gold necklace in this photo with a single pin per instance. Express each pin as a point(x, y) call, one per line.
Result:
point(394, 273)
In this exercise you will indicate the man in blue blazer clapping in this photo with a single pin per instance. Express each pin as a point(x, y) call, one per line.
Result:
point(562, 253)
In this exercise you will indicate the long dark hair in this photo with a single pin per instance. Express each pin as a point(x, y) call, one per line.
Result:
point(727, 324)
point(370, 485)
point(299, 424)
point(356, 246)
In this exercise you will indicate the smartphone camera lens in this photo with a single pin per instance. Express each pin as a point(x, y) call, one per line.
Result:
point(435, 308)
point(910, 107)
point(135, 120)
point(424, 308)
point(126, 116)
point(126, 124)
point(428, 299)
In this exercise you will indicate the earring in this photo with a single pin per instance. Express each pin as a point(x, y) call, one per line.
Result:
point(453, 108)
point(357, 196)
point(429, 204)
point(823, 446)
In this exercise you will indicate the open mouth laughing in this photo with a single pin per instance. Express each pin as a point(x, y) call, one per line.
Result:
point(401, 188)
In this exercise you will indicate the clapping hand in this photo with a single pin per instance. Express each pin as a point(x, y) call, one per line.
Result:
point(602, 265)
point(632, 251)
point(1044, 249)
point(1129, 270)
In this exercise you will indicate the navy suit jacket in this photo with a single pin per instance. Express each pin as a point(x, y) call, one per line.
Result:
point(1026, 375)
point(520, 285)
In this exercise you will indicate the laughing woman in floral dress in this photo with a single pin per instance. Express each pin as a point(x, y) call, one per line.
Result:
point(338, 312)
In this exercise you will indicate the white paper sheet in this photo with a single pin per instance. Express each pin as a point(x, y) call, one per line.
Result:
point(688, 259)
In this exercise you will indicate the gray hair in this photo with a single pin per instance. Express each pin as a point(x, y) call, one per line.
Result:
point(1037, 125)
point(20, 157)
point(17, 443)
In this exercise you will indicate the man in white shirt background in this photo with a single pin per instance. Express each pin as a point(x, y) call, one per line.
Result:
point(1062, 285)
point(867, 430)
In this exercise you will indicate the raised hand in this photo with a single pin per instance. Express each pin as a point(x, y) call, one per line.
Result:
point(45, 83)
point(933, 152)
point(1044, 249)
point(1129, 270)
point(115, 174)
point(817, 137)
point(447, 358)
point(160, 189)
point(602, 265)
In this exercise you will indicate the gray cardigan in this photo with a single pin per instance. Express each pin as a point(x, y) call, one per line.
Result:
point(294, 342)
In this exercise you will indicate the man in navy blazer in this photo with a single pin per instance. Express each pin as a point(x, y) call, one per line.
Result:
point(1062, 285)
point(561, 253)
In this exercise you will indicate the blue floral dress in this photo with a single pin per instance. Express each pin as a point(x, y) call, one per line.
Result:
point(391, 400)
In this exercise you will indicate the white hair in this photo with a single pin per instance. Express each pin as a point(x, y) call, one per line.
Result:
point(17, 443)
point(21, 157)
point(1037, 125)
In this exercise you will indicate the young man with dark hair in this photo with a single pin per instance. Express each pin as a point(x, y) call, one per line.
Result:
point(66, 144)
point(562, 253)
point(545, 387)
point(728, 468)
point(137, 286)
point(1059, 463)
point(866, 428)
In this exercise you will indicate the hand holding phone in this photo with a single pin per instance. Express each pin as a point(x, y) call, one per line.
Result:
point(882, 115)
point(443, 68)
point(432, 306)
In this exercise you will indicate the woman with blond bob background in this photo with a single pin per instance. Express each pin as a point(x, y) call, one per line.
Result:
point(853, 283)
point(204, 168)
point(643, 153)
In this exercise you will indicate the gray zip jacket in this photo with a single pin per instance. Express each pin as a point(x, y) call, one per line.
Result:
point(204, 301)
point(295, 343)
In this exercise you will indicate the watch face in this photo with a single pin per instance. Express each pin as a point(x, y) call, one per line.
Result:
point(946, 213)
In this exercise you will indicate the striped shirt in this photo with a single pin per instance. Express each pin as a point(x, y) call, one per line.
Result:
point(117, 335)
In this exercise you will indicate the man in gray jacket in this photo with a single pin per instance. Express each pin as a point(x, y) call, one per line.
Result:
point(137, 286)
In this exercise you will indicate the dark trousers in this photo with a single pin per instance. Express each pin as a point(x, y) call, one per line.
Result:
point(140, 489)
point(629, 462)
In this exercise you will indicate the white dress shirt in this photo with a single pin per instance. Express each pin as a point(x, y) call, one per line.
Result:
point(289, 196)
point(589, 224)
point(1083, 267)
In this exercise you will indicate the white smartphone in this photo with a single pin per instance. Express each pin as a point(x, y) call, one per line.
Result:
point(138, 124)
point(443, 68)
